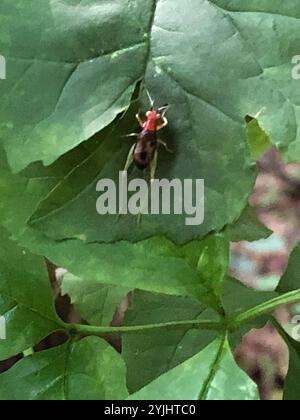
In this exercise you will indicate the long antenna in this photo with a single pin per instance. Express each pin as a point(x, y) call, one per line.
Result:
point(150, 99)
point(164, 109)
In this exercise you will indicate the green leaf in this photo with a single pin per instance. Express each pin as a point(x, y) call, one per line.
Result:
point(260, 143)
point(22, 193)
point(154, 265)
point(26, 300)
point(261, 25)
point(210, 375)
point(91, 81)
point(149, 354)
point(59, 214)
point(62, 55)
point(237, 299)
point(91, 63)
point(85, 172)
point(291, 277)
point(87, 370)
point(96, 303)
point(291, 385)
point(247, 227)
point(122, 264)
point(213, 266)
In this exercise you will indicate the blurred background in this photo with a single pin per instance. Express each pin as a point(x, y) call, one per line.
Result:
point(276, 198)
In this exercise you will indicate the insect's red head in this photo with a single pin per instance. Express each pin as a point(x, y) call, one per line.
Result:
point(153, 115)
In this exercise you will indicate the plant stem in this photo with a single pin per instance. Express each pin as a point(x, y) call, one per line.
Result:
point(214, 368)
point(222, 325)
point(189, 324)
point(263, 309)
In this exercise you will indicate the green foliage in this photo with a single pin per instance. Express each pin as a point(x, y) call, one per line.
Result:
point(88, 369)
point(148, 354)
point(25, 298)
point(258, 140)
point(247, 227)
point(291, 277)
point(95, 302)
point(72, 93)
point(210, 375)
point(291, 388)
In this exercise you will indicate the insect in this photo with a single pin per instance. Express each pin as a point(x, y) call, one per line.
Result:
point(144, 152)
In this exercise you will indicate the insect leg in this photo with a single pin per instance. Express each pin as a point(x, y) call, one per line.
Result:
point(153, 166)
point(129, 158)
point(129, 161)
point(139, 217)
point(164, 124)
point(131, 135)
point(165, 109)
point(141, 122)
point(163, 143)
